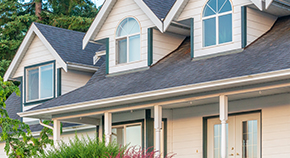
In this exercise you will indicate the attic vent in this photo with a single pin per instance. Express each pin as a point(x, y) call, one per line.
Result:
point(98, 55)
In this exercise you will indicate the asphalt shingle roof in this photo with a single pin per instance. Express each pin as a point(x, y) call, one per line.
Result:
point(160, 7)
point(68, 44)
point(269, 53)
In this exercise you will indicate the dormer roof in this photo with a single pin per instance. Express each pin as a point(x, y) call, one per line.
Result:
point(65, 45)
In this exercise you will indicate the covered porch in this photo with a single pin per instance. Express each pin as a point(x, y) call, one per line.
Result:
point(199, 123)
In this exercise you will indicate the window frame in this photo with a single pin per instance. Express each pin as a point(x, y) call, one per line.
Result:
point(39, 100)
point(127, 37)
point(216, 16)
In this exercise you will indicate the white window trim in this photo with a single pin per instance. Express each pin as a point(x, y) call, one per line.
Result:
point(118, 38)
point(39, 80)
point(217, 26)
point(124, 126)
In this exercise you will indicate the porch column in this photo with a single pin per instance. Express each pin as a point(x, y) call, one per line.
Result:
point(108, 127)
point(56, 133)
point(223, 118)
point(158, 127)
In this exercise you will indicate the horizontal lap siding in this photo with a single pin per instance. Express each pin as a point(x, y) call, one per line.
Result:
point(35, 54)
point(194, 9)
point(258, 23)
point(72, 80)
point(164, 43)
point(2, 152)
point(121, 10)
point(187, 126)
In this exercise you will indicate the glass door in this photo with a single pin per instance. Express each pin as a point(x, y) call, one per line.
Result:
point(243, 136)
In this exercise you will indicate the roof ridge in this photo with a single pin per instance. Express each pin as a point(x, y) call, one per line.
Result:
point(54, 27)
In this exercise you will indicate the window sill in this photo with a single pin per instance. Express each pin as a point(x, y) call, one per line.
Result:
point(217, 45)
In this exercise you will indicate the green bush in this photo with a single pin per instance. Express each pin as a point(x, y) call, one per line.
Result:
point(84, 148)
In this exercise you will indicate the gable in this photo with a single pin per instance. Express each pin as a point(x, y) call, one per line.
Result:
point(35, 54)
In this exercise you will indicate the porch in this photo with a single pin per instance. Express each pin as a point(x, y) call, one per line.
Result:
point(202, 124)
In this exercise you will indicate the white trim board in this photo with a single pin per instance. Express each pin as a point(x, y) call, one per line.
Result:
point(32, 32)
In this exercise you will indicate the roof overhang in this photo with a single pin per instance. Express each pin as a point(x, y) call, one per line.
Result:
point(32, 32)
point(81, 67)
point(265, 4)
point(150, 96)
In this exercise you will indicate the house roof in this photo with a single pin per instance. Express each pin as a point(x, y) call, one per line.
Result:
point(161, 7)
point(269, 53)
point(68, 44)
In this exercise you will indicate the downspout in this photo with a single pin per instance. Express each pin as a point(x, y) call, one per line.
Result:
point(45, 125)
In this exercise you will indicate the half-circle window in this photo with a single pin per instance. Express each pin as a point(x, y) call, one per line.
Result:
point(128, 41)
point(217, 22)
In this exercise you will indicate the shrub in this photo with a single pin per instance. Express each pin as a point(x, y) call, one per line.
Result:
point(84, 148)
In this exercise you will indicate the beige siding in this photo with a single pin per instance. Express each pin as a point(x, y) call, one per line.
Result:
point(164, 43)
point(258, 23)
point(36, 53)
point(72, 80)
point(2, 152)
point(187, 132)
point(194, 10)
point(121, 10)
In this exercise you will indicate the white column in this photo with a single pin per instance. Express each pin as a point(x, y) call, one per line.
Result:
point(158, 127)
point(223, 118)
point(108, 127)
point(56, 133)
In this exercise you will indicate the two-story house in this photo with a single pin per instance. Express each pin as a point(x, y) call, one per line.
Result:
point(199, 78)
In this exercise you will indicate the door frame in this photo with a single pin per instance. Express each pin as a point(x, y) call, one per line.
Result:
point(205, 129)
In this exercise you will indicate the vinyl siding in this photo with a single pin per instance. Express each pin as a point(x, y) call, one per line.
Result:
point(194, 9)
point(164, 43)
point(258, 23)
point(2, 152)
point(35, 54)
point(121, 10)
point(72, 80)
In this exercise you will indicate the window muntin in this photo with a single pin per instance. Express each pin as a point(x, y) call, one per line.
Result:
point(217, 22)
point(40, 82)
point(128, 41)
point(128, 134)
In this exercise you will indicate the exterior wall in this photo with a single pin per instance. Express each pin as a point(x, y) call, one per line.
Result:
point(194, 9)
point(187, 126)
point(164, 43)
point(121, 10)
point(36, 53)
point(2, 152)
point(258, 23)
point(72, 80)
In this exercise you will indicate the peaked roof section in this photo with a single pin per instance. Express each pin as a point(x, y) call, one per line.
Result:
point(160, 7)
point(68, 44)
point(65, 45)
point(156, 10)
point(268, 54)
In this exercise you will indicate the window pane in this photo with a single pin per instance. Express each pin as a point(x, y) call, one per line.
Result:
point(209, 32)
point(128, 26)
point(46, 81)
point(33, 81)
point(208, 11)
point(134, 48)
point(133, 135)
point(225, 28)
point(118, 135)
point(133, 26)
point(224, 6)
point(250, 139)
point(122, 51)
point(121, 31)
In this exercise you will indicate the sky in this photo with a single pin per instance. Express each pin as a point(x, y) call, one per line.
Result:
point(97, 2)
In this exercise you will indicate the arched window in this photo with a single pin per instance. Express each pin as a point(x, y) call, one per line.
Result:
point(217, 22)
point(128, 41)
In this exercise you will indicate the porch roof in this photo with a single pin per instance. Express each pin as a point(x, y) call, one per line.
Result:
point(269, 53)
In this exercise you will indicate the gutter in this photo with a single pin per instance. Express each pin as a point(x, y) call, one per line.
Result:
point(77, 66)
point(205, 86)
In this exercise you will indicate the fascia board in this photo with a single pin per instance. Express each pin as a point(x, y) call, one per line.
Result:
point(150, 14)
point(275, 75)
point(268, 3)
point(173, 12)
point(258, 3)
point(33, 30)
point(94, 28)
